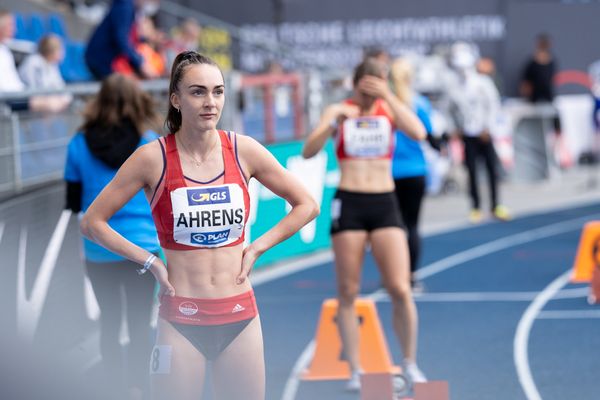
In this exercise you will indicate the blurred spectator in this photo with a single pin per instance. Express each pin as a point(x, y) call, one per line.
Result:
point(40, 71)
point(474, 101)
point(115, 125)
point(537, 85)
point(536, 82)
point(10, 81)
point(91, 11)
point(150, 45)
point(184, 37)
point(408, 163)
point(594, 73)
point(487, 66)
point(116, 36)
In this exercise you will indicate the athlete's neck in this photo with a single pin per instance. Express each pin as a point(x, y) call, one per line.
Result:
point(198, 143)
point(365, 107)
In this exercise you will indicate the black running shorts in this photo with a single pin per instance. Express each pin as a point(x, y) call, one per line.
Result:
point(364, 211)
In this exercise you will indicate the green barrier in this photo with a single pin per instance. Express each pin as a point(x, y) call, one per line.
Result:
point(320, 175)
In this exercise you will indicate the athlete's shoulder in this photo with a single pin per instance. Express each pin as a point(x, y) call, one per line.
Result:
point(149, 152)
point(251, 152)
point(244, 141)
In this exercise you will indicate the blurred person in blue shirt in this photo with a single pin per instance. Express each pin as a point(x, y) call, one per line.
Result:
point(409, 167)
point(115, 125)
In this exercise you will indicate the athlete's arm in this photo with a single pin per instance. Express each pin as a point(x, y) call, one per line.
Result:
point(138, 172)
point(261, 164)
point(326, 127)
point(404, 118)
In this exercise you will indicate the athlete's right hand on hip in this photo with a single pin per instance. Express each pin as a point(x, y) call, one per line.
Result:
point(159, 270)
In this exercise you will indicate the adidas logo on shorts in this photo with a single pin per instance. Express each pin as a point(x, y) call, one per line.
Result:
point(237, 309)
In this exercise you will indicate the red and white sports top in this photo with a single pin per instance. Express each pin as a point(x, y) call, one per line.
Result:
point(366, 137)
point(203, 214)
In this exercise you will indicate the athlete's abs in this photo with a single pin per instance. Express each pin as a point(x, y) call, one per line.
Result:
point(366, 176)
point(206, 273)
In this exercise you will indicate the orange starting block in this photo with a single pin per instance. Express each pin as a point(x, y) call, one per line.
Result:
point(587, 260)
point(328, 363)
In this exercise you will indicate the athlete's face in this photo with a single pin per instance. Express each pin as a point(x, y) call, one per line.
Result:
point(200, 96)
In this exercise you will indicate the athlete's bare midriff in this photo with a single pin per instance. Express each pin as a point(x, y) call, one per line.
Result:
point(366, 176)
point(206, 273)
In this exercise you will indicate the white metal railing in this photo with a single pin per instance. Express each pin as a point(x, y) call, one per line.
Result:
point(33, 145)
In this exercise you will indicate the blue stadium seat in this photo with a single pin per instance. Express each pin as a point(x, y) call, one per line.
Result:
point(56, 25)
point(36, 27)
point(21, 31)
point(73, 68)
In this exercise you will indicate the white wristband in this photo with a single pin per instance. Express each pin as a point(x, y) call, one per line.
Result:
point(147, 264)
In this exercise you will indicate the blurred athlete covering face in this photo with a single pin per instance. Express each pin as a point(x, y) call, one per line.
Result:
point(364, 209)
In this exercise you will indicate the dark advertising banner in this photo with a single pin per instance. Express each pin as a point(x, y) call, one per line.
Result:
point(334, 33)
point(339, 44)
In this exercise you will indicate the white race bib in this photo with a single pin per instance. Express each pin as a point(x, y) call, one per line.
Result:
point(367, 136)
point(211, 216)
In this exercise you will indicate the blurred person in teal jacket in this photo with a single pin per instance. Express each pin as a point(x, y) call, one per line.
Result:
point(409, 167)
point(115, 125)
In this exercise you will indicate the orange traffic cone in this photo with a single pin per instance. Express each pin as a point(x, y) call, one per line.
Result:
point(594, 296)
point(588, 253)
point(587, 260)
point(374, 354)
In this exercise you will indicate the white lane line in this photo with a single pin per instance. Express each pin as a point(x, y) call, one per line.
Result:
point(483, 296)
point(464, 256)
point(501, 244)
point(91, 303)
point(22, 305)
point(30, 310)
point(572, 293)
point(569, 314)
point(2, 224)
point(472, 297)
point(521, 339)
point(291, 386)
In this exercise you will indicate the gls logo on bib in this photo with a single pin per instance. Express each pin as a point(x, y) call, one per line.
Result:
point(214, 195)
point(209, 238)
point(367, 123)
